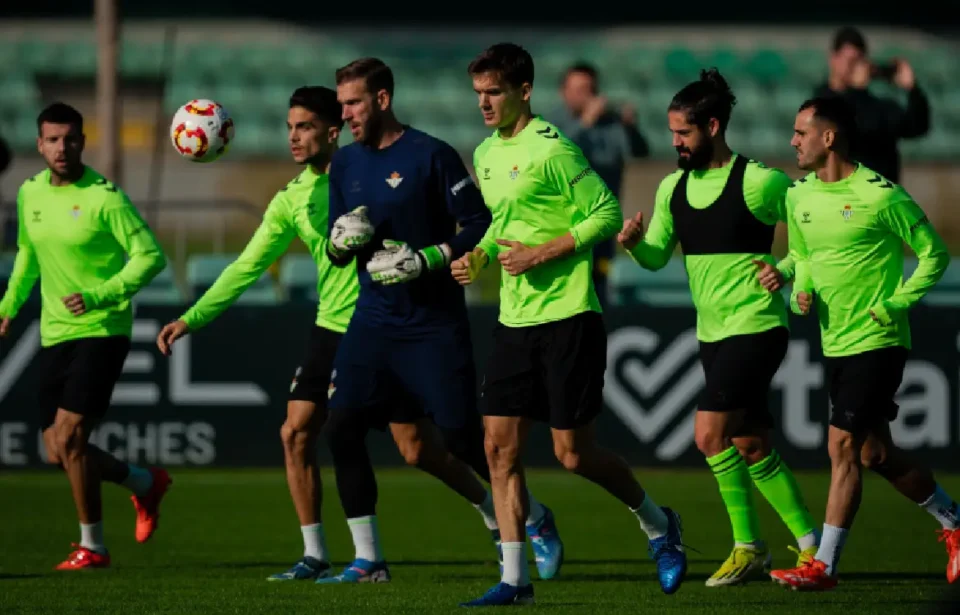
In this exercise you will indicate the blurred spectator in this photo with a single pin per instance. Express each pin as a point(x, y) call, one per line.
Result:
point(881, 122)
point(607, 135)
point(7, 214)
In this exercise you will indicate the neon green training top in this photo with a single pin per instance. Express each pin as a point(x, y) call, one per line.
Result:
point(847, 238)
point(299, 209)
point(539, 186)
point(724, 287)
point(76, 238)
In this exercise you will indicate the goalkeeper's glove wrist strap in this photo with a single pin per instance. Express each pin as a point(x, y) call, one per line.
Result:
point(435, 257)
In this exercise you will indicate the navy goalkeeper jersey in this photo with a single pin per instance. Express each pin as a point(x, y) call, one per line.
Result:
point(417, 191)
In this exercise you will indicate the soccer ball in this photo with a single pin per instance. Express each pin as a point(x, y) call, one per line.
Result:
point(201, 130)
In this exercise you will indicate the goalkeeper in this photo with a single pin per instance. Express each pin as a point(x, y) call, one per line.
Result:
point(397, 198)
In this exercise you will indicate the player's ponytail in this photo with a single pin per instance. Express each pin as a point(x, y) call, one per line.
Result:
point(708, 97)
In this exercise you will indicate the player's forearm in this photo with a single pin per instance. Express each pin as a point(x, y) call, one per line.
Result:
point(557, 247)
point(787, 267)
point(473, 229)
point(137, 273)
point(233, 282)
point(802, 282)
point(651, 257)
point(488, 245)
point(20, 284)
point(602, 223)
point(932, 263)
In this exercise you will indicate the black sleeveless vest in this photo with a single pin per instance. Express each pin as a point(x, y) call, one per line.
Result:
point(727, 226)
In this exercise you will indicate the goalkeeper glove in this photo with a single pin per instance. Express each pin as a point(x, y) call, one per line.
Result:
point(397, 262)
point(351, 231)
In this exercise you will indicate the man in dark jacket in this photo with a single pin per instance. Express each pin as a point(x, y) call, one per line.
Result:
point(609, 138)
point(881, 122)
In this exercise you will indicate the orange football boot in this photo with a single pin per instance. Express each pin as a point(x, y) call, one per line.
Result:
point(811, 575)
point(148, 506)
point(952, 538)
point(84, 558)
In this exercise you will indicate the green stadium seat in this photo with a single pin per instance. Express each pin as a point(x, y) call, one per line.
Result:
point(767, 67)
point(681, 65)
point(642, 64)
point(142, 60)
point(9, 54)
point(78, 59)
point(19, 93)
point(298, 274)
point(24, 135)
point(807, 66)
point(203, 270)
point(162, 290)
point(728, 61)
point(40, 56)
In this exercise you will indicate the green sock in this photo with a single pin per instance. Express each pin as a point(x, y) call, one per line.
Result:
point(732, 475)
point(776, 482)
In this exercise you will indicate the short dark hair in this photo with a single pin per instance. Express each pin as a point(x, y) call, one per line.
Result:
point(584, 68)
point(511, 62)
point(375, 73)
point(708, 97)
point(848, 35)
point(836, 111)
point(320, 100)
point(59, 113)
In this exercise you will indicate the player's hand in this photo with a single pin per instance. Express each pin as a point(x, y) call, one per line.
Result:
point(5, 326)
point(904, 77)
point(804, 301)
point(519, 258)
point(395, 263)
point(466, 268)
point(593, 110)
point(769, 276)
point(860, 74)
point(352, 231)
point(170, 333)
point(75, 304)
point(632, 232)
point(628, 115)
point(877, 319)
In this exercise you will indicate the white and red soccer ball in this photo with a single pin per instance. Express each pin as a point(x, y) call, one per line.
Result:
point(201, 130)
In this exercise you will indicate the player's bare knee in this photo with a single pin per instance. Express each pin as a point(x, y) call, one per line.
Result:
point(873, 455)
point(751, 449)
point(412, 451)
point(568, 455)
point(69, 442)
point(843, 448)
point(711, 439)
point(502, 454)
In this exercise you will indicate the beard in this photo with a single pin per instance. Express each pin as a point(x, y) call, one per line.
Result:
point(698, 158)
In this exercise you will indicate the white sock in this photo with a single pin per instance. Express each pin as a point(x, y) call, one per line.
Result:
point(536, 512)
point(515, 571)
point(830, 546)
point(91, 536)
point(653, 520)
point(485, 508)
point(809, 540)
point(366, 538)
point(314, 541)
point(139, 480)
point(944, 508)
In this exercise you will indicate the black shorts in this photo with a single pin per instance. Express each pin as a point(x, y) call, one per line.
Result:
point(311, 381)
point(79, 376)
point(863, 387)
point(551, 373)
point(738, 371)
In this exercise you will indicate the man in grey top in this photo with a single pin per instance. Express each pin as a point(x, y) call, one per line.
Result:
point(608, 137)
